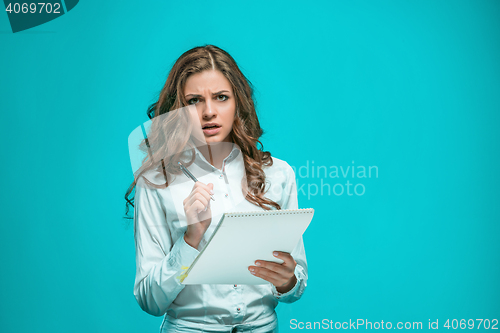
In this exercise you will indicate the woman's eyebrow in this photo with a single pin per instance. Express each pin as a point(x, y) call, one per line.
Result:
point(220, 92)
point(215, 93)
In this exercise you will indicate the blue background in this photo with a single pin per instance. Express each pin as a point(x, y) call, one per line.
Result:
point(410, 87)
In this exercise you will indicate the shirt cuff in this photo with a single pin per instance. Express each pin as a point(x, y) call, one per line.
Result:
point(182, 256)
point(187, 253)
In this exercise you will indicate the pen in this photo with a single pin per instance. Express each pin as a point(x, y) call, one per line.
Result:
point(190, 175)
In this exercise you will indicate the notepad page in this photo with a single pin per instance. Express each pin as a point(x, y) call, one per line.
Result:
point(242, 238)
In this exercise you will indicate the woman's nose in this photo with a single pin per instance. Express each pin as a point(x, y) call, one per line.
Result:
point(209, 109)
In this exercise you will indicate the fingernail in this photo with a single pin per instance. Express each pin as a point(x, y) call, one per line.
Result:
point(205, 209)
point(212, 192)
point(252, 272)
point(257, 263)
point(252, 269)
point(275, 254)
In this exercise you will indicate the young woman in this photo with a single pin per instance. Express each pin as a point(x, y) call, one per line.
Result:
point(174, 217)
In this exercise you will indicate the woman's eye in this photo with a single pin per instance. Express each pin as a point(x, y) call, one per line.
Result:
point(193, 101)
point(222, 98)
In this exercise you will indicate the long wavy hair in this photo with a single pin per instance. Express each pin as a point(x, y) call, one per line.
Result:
point(245, 133)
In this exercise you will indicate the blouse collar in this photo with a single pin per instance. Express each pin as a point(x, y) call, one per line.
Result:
point(202, 161)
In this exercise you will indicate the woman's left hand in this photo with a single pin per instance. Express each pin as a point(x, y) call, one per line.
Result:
point(282, 275)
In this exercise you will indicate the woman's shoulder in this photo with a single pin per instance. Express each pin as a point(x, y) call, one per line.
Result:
point(280, 163)
point(151, 179)
point(280, 166)
point(280, 178)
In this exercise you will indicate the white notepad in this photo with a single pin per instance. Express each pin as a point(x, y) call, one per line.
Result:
point(242, 238)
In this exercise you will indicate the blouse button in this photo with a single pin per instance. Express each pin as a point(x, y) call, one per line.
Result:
point(220, 177)
point(226, 195)
point(235, 285)
point(238, 309)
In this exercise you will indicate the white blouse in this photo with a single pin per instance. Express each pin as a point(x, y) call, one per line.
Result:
point(162, 255)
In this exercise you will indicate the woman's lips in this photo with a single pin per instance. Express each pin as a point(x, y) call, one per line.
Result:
point(211, 131)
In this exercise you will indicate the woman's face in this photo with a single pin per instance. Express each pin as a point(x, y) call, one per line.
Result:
point(213, 96)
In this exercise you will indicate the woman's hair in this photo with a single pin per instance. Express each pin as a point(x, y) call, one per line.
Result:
point(245, 133)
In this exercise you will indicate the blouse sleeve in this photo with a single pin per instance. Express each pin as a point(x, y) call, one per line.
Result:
point(160, 263)
point(298, 253)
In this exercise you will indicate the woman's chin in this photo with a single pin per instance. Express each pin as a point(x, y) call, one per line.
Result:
point(214, 138)
point(217, 138)
point(211, 139)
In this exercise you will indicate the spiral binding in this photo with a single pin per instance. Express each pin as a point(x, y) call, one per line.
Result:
point(270, 212)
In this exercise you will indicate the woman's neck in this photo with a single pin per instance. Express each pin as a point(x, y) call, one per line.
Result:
point(216, 152)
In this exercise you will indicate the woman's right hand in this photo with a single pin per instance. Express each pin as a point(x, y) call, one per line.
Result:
point(198, 213)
